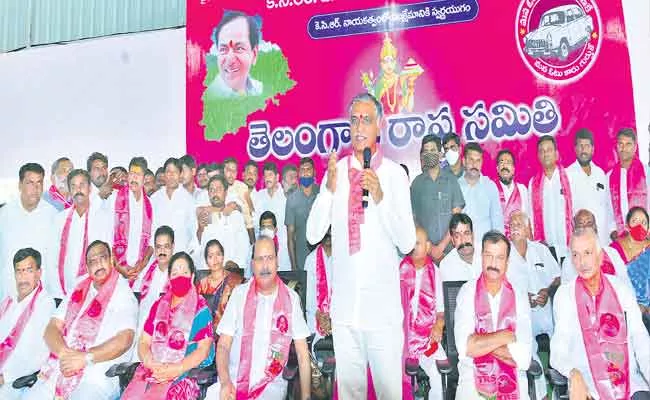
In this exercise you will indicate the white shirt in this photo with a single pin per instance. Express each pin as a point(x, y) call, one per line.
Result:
point(454, 268)
point(232, 324)
point(263, 201)
point(553, 213)
point(440, 299)
point(96, 200)
point(200, 196)
point(523, 194)
point(482, 205)
point(520, 350)
point(19, 229)
point(569, 272)
point(625, 207)
point(135, 225)
point(592, 193)
point(179, 213)
point(567, 346)
point(366, 292)
point(231, 232)
point(311, 304)
point(99, 228)
point(30, 351)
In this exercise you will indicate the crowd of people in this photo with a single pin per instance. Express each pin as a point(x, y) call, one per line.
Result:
point(178, 270)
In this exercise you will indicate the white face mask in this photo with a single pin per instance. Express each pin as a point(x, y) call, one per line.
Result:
point(268, 232)
point(452, 157)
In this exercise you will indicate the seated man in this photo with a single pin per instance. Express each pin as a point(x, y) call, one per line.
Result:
point(493, 330)
point(261, 319)
point(23, 319)
point(424, 311)
point(91, 330)
point(177, 337)
point(463, 262)
point(600, 343)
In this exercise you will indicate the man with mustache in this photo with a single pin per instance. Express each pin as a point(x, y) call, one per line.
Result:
point(226, 226)
point(366, 309)
point(92, 329)
point(589, 180)
point(481, 196)
point(239, 196)
point(451, 146)
point(493, 329)
point(289, 179)
point(101, 188)
point(23, 318)
point(202, 176)
point(75, 228)
point(463, 261)
point(262, 318)
point(58, 195)
point(299, 205)
point(251, 175)
point(600, 343)
point(149, 182)
point(132, 215)
point(513, 196)
point(236, 42)
point(25, 222)
point(435, 197)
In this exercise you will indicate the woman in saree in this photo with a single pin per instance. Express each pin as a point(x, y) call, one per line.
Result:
point(220, 282)
point(177, 337)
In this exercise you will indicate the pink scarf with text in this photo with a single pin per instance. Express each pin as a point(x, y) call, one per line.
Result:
point(604, 333)
point(122, 225)
point(637, 191)
point(513, 204)
point(56, 195)
point(8, 345)
point(278, 352)
point(494, 379)
point(87, 329)
point(147, 279)
point(537, 197)
point(355, 209)
point(63, 248)
point(323, 291)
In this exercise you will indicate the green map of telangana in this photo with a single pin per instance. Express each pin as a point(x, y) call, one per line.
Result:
point(226, 115)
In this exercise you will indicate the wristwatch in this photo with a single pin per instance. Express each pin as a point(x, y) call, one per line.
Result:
point(90, 359)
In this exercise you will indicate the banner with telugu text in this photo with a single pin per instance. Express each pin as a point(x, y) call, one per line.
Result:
point(501, 73)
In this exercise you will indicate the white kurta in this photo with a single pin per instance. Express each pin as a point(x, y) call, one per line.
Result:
point(553, 213)
point(454, 268)
point(179, 213)
point(232, 324)
point(135, 225)
point(100, 227)
point(156, 288)
point(30, 351)
point(312, 281)
point(523, 194)
point(20, 229)
point(567, 346)
point(569, 272)
point(625, 207)
point(121, 314)
point(520, 350)
point(592, 193)
point(263, 201)
point(231, 232)
point(482, 205)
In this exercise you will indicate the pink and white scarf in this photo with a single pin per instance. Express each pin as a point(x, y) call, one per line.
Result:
point(537, 196)
point(604, 333)
point(87, 329)
point(513, 204)
point(278, 351)
point(637, 191)
point(323, 290)
point(63, 247)
point(355, 208)
point(56, 195)
point(493, 378)
point(147, 279)
point(8, 345)
point(122, 225)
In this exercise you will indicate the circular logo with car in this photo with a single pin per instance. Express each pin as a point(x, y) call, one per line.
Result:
point(559, 40)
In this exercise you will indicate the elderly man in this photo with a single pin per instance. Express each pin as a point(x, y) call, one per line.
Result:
point(289, 179)
point(236, 43)
point(493, 330)
point(600, 343)
point(513, 196)
point(299, 204)
point(132, 220)
point(23, 319)
point(463, 262)
point(91, 330)
point(261, 319)
point(26, 222)
point(75, 229)
point(58, 195)
point(366, 306)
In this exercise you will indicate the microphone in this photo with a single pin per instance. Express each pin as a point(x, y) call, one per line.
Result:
point(366, 165)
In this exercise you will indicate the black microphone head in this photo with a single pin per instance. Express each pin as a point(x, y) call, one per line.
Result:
point(366, 157)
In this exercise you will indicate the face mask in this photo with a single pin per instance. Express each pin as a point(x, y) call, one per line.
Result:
point(180, 285)
point(306, 181)
point(452, 157)
point(430, 159)
point(638, 233)
point(267, 232)
point(60, 183)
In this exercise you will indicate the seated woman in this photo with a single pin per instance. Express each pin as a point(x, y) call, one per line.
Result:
point(220, 282)
point(177, 337)
point(635, 241)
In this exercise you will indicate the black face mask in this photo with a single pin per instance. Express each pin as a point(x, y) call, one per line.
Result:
point(430, 159)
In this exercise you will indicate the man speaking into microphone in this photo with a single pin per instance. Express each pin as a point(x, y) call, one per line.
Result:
point(366, 309)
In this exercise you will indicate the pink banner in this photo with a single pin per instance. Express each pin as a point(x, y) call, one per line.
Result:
point(495, 73)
